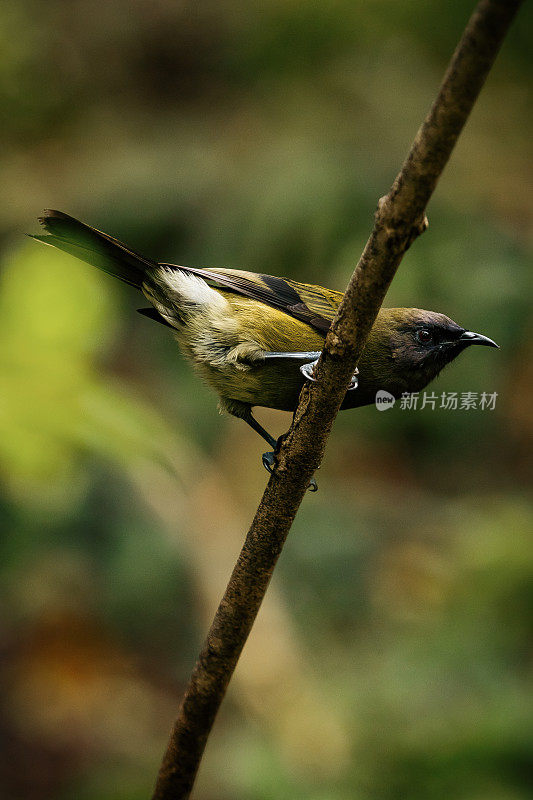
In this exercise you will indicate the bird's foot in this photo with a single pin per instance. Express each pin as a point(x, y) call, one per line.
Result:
point(354, 382)
point(269, 463)
point(308, 369)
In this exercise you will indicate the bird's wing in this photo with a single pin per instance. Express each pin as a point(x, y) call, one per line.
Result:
point(310, 304)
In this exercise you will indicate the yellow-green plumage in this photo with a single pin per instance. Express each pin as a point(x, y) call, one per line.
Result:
point(273, 385)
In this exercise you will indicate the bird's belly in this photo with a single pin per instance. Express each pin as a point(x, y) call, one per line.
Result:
point(269, 385)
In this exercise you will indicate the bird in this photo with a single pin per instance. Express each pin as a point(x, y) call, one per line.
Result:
point(255, 338)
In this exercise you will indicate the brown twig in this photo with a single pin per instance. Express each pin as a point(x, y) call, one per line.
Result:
point(399, 219)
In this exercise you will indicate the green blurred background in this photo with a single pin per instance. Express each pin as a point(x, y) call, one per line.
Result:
point(393, 658)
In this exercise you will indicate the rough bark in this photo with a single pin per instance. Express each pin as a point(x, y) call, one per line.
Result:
point(399, 219)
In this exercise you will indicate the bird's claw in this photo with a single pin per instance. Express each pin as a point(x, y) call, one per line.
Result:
point(269, 463)
point(354, 382)
point(308, 369)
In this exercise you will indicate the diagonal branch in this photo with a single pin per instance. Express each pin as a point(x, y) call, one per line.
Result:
point(399, 219)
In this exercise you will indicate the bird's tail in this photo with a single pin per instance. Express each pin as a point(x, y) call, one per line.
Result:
point(94, 247)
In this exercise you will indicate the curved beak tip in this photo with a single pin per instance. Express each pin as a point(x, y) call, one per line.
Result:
point(469, 337)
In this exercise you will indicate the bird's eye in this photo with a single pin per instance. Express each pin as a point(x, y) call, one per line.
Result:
point(424, 336)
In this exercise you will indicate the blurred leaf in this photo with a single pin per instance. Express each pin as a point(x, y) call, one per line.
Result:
point(56, 318)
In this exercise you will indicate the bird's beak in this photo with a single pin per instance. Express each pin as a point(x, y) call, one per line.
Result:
point(469, 337)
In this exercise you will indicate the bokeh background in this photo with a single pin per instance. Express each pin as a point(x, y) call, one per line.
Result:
point(393, 658)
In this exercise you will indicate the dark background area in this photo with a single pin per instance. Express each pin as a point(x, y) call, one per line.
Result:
point(393, 657)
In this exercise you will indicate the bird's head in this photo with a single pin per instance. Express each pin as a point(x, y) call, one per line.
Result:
point(408, 347)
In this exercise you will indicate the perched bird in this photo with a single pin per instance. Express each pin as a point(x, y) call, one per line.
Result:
point(255, 338)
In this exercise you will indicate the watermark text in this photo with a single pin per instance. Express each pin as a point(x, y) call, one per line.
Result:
point(447, 401)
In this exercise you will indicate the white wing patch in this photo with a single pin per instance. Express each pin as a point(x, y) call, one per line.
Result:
point(189, 289)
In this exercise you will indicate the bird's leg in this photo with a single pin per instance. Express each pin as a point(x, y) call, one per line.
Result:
point(269, 459)
point(253, 423)
point(303, 355)
point(310, 359)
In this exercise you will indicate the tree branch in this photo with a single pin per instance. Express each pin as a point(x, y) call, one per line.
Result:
point(399, 220)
